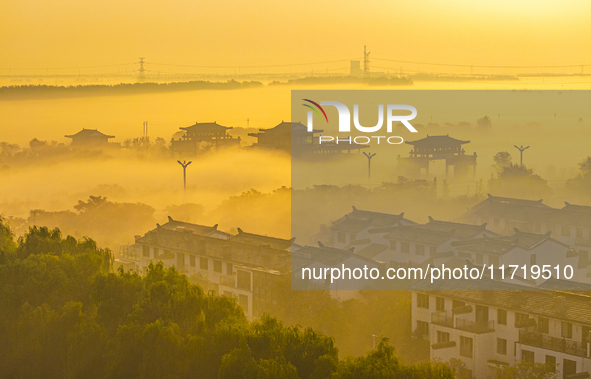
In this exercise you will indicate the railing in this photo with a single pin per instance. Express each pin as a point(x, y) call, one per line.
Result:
point(475, 326)
point(442, 319)
point(127, 251)
point(228, 281)
point(545, 341)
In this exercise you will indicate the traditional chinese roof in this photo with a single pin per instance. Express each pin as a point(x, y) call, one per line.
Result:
point(419, 235)
point(329, 256)
point(462, 231)
point(259, 240)
point(201, 240)
point(372, 250)
point(89, 133)
point(432, 142)
point(285, 129)
point(206, 127)
point(502, 244)
point(519, 209)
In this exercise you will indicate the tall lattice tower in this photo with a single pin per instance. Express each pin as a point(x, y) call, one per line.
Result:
point(141, 73)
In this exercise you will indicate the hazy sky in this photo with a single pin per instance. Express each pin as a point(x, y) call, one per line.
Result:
point(72, 33)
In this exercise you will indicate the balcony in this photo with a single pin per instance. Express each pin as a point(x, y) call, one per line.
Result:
point(478, 327)
point(442, 319)
point(545, 341)
point(228, 281)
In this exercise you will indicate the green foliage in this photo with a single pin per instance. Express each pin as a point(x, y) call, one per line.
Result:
point(528, 370)
point(580, 185)
point(381, 363)
point(63, 314)
point(514, 180)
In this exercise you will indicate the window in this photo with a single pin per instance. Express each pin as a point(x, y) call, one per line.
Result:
point(551, 363)
point(579, 232)
point(493, 260)
point(543, 325)
point(422, 300)
point(537, 227)
point(565, 231)
point(481, 314)
point(532, 259)
point(392, 245)
point(352, 237)
point(217, 266)
point(156, 252)
point(568, 368)
point(527, 356)
point(192, 260)
point(243, 301)
point(341, 237)
point(466, 346)
point(440, 304)
point(479, 259)
point(497, 222)
point(229, 269)
point(432, 250)
point(145, 251)
point(405, 247)
point(204, 263)
point(423, 327)
point(501, 346)
point(567, 330)
point(419, 249)
point(442, 337)
point(520, 317)
point(501, 317)
point(243, 279)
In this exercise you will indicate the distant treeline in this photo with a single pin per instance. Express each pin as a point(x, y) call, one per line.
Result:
point(47, 91)
point(341, 79)
point(461, 78)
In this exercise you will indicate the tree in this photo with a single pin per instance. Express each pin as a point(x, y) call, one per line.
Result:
point(581, 184)
point(484, 122)
point(502, 159)
point(528, 370)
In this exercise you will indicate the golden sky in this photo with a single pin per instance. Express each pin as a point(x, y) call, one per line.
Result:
point(72, 33)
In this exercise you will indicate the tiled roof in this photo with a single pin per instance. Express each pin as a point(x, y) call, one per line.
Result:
point(194, 241)
point(89, 133)
point(437, 141)
point(573, 307)
point(372, 250)
point(259, 240)
point(206, 127)
point(285, 128)
point(462, 231)
point(419, 235)
point(329, 256)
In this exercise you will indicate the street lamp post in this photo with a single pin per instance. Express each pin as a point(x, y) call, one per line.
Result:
point(521, 149)
point(184, 164)
point(369, 156)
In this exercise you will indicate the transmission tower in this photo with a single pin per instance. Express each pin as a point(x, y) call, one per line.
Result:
point(141, 76)
point(365, 60)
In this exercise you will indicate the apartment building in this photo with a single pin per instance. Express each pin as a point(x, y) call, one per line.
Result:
point(490, 329)
point(245, 266)
point(570, 224)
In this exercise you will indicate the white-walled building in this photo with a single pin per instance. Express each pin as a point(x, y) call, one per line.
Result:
point(490, 329)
